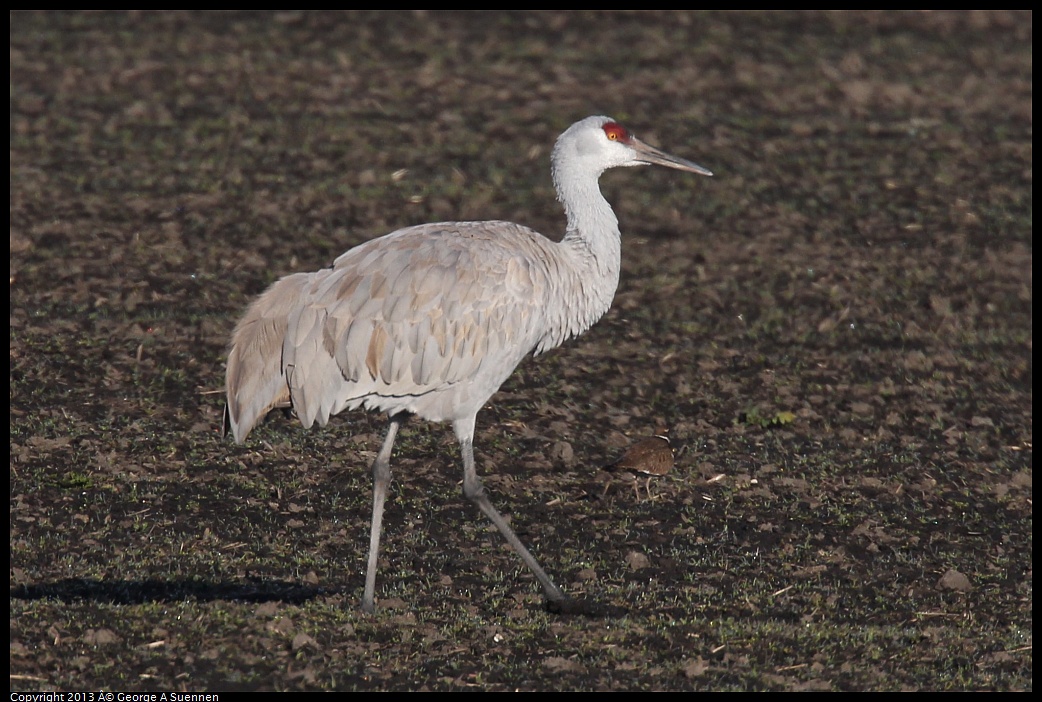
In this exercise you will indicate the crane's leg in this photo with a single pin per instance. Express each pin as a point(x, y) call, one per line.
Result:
point(475, 492)
point(381, 479)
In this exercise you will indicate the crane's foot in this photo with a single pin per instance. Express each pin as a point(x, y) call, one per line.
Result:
point(572, 607)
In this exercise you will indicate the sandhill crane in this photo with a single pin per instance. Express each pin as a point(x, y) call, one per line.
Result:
point(430, 320)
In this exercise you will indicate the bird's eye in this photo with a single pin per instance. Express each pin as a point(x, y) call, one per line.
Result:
point(616, 132)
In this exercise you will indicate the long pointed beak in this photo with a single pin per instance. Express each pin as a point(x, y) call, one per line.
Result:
point(651, 155)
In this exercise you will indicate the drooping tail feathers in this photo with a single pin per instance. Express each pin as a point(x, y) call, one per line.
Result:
point(256, 377)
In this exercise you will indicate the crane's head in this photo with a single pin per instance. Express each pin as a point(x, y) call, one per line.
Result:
point(600, 143)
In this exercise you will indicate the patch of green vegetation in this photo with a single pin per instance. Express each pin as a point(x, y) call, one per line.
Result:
point(754, 418)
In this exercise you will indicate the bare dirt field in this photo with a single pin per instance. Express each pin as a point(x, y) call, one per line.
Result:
point(836, 328)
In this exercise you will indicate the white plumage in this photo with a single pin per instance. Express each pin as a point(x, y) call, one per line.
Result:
point(430, 320)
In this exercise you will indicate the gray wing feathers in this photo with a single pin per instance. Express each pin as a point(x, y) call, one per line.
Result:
point(393, 322)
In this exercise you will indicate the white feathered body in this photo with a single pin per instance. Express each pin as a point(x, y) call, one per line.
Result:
point(428, 320)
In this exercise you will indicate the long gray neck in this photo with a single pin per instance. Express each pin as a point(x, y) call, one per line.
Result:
point(592, 249)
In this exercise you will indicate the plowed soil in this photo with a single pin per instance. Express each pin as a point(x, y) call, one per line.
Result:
point(836, 328)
